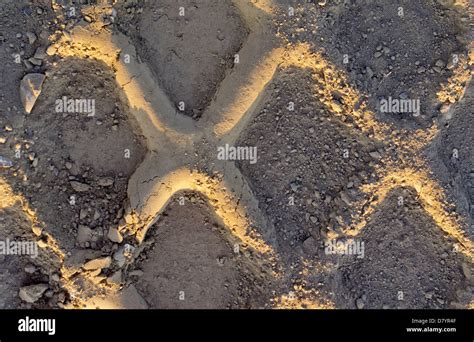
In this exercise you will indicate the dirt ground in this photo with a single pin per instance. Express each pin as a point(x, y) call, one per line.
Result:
point(131, 206)
point(401, 246)
point(189, 255)
point(168, 39)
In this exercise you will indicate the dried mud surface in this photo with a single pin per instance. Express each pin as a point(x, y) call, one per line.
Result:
point(132, 208)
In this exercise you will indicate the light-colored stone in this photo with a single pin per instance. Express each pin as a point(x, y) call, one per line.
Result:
point(375, 155)
point(32, 293)
point(31, 37)
point(30, 89)
point(82, 214)
point(98, 263)
point(105, 182)
point(84, 234)
point(114, 235)
point(40, 53)
point(37, 230)
point(80, 187)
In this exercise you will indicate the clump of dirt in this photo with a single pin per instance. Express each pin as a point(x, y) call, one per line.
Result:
point(408, 262)
point(384, 49)
point(189, 263)
point(188, 44)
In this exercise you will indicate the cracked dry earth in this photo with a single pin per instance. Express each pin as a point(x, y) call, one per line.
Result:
point(131, 207)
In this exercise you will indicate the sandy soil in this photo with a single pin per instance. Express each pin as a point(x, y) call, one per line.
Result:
point(168, 39)
point(191, 264)
point(132, 207)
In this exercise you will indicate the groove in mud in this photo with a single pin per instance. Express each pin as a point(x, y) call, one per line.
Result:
point(189, 46)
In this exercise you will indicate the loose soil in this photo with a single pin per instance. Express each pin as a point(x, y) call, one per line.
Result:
point(331, 166)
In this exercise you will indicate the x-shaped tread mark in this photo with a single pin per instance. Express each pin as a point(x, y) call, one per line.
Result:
point(182, 152)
